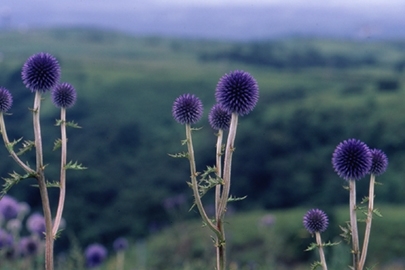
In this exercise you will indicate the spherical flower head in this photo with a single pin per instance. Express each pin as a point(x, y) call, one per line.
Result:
point(352, 159)
point(63, 95)
point(315, 220)
point(6, 100)
point(41, 72)
point(187, 109)
point(237, 92)
point(95, 254)
point(9, 207)
point(6, 239)
point(219, 118)
point(379, 162)
point(28, 246)
point(120, 244)
point(36, 224)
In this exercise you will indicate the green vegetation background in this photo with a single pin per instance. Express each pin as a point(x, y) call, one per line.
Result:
point(313, 94)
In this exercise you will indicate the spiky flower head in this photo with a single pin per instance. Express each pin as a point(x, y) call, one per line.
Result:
point(28, 246)
point(6, 239)
point(41, 72)
point(63, 95)
point(219, 118)
point(379, 162)
point(237, 92)
point(352, 159)
point(6, 99)
point(36, 224)
point(9, 207)
point(187, 109)
point(95, 255)
point(120, 244)
point(315, 220)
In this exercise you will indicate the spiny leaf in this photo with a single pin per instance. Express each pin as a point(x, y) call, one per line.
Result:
point(377, 212)
point(330, 244)
point(14, 179)
point(179, 155)
point(234, 199)
point(53, 184)
point(27, 146)
point(346, 234)
point(68, 124)
point(10, 145)
point(74, 166)
point(57, 144)
point(315, 265)
point(311, 246)
point(196, 129)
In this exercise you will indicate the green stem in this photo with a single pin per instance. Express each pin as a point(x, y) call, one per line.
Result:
point(320, 248)
point(353, 225)
point(194, 184)
point(62, 181)
point(10, 149)
point(221, 256)
point(368, 222)
point(49, 240)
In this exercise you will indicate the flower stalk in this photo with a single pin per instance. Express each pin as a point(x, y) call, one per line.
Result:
point(320, 249)
point(353, 224)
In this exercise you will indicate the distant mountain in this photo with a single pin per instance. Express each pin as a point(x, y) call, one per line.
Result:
point(218, 22)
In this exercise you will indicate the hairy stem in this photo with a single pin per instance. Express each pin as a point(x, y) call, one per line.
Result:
point(42, 183)
point(10, 150)
point(320, 248)
point(221, 256)
point(62, 181)
point(194, 184)
point(353, 225)
point(368, 222)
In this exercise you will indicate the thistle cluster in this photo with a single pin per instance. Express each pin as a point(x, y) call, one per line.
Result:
point(95, 254)
point(41, 73)
point(18, 248)
point(236, 94)
point(352, 160)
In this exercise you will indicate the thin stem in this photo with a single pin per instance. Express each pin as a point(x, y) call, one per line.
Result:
point(221, 256)
point(42, 183)
point(10, 149)
point(228, 163)
point(194, 184)
point(62, 181)
point(320, 248)
point(368, 222)
point(353, 225)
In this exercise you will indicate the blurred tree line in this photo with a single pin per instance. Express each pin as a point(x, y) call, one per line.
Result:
point(310, 100)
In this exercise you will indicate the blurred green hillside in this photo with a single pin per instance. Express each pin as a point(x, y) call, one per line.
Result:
point(313, 94)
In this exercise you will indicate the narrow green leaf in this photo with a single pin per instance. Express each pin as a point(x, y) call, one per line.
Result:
point(74, 166)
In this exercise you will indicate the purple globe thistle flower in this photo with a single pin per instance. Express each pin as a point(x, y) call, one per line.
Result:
point(6, 100)
point(379, 162)
point(63, 95)
point(95, 255)
point(9, 207)
point(237, 92)
point(6, 239)
point(120, 244)
point(352, 159)
point(36, 224)
point(219, 118)
point(41, 72)
point(315, 220)
point(187, 109)
point(28, 246)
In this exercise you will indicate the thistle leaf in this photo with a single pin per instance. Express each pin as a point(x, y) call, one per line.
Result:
point(179, 155)
point(377, 212)
point(14, 179)
point(68, 124)
point(53, 184)
point(315, 265)
point(311, 246)
point(10, 146)
point(74, 166)
point(346, 232)
point(57, 144)
point(235, 199)
point(27, 146)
